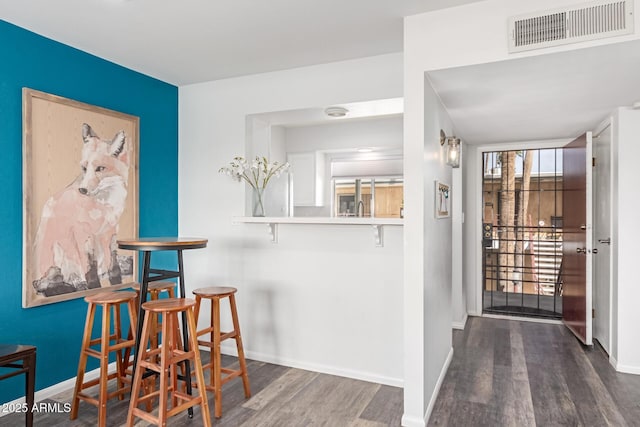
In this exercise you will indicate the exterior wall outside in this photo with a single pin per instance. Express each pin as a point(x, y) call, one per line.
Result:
point(323, 297)
point(33, 61)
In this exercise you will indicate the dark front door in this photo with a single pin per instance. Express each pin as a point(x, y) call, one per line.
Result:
point(576, 294)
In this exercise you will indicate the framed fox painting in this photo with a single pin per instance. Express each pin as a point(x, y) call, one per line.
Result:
point(80, 186)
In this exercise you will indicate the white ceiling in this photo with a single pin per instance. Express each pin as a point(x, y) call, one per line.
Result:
point(182, 42)
point(365, 110)
point(189, 41)
point(552, 96)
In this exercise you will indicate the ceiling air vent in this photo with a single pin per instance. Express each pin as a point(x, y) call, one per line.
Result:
point(570, 25)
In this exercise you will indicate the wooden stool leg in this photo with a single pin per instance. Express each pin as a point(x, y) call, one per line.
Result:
point(238, 337)
point(165, 356)
point(104, 364)
point(120, 372)
point(154, 323)
point(193, 345)
point(132, 332)
point(132, 310)
point(82, 363)
point(196, 314)
point(212, 358)
point(172, 341)
point(196, 309)
point(137, 375)
point(217, 359)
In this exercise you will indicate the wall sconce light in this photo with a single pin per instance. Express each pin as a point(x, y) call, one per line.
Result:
point(453, 149)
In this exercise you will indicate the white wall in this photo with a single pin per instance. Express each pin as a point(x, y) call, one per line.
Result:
point(458, 290)
point(477, 33)
point(380, 132)
point(625, 352)
point(427, 287)
point(480, 36)
point(323, 297)
point(437, 258)
point(472, 165)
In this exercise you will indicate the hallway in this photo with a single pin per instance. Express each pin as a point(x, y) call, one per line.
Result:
point(512, 373)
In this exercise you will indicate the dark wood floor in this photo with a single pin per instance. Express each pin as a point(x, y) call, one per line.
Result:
point(511, 373)
point(281, 397)
point(503, 373)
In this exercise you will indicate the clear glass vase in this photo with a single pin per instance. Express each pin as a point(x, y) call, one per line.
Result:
point(257, 204)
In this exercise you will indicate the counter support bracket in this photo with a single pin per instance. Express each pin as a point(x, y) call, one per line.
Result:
point(272, 231)
point(378, 235)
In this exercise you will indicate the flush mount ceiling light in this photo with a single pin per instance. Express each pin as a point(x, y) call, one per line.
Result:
point(453, 149)
point(365, 150)
point(336, 111)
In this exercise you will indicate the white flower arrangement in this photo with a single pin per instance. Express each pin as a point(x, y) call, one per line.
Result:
point(258, 173)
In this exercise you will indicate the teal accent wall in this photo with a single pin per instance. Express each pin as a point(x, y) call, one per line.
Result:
point(29, 60)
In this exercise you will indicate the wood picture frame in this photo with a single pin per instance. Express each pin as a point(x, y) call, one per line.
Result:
point(442, 200)
point(80, 194)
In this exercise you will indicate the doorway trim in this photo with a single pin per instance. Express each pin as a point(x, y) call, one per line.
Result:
point(606, 126)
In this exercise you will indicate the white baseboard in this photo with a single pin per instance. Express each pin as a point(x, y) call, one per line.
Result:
point(626, 369)
point(435, 393)
point(314, 367)
point(613, 362)
point(408, 421)
point(461, 324)
point(412, 421)
point(49, 392)
point(68, 384)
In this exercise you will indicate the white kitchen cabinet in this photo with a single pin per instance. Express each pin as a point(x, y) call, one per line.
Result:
point(308, 178)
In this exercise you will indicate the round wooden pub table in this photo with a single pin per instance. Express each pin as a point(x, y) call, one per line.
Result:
point(147, 246)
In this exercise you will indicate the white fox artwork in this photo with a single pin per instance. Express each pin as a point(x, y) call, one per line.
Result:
point(75, 245)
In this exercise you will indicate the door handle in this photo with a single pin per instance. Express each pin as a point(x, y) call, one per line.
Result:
point(606, 241)
point(583, 227)
point(581, 250)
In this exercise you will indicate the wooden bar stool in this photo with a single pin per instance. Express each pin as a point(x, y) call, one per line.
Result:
point(216, 380)
point(154, 290)
point(171, 355)
point(109, 342)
